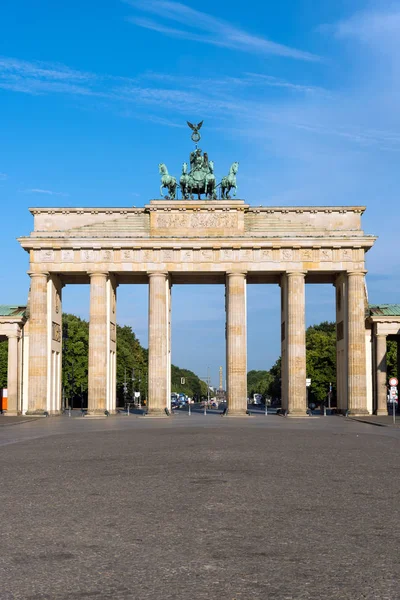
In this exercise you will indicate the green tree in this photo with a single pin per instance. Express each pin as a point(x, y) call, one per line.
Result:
point(391, 358)
point(258, 382)
point(321, 359)
point(193, 385)
point(132, 364)
point(3, 363)
point(75, 358)
point(275, 388)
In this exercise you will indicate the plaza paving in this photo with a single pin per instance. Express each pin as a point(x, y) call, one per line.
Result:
point(199, 507)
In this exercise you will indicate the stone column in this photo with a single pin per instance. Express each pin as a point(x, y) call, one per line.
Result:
point(38, 350)
point(159, 372)
point(357, 376)
point(341, 342)
point(381, 375)
point(12, 376)
point(296, 345)
point(98, 331)
point(236, 344)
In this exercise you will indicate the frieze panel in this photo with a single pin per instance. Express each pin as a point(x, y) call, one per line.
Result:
point(325, 254)
point(67, 255)
point(56, 332)
point(167, 255)
point(88, 255)
point(147, 255)
point(306, 254)
point(206, 254)
point(127, 255)
point(187, 255)
point(266, 254)
point(57, 301)
point(45, 255)
point(246, 254)
point(346, 254)
point(287, 254)
point(227, 254)
point(107, 255)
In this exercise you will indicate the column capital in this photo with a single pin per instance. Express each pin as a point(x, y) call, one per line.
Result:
point(233, 273)
point(38, 274)
point(98, 273)
point(14, 334)
point(293, 273)
point(164, 274)
point(381, 335)
point(363, 272)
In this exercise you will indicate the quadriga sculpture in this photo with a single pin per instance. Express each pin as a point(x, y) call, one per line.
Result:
point(229, 181)
point(167, 181)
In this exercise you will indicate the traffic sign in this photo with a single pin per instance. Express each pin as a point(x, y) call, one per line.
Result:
point(393, 381)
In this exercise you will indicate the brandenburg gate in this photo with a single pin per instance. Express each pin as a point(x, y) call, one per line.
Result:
point(171, 241)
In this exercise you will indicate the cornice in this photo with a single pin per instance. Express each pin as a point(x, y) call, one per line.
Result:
point(356, 242)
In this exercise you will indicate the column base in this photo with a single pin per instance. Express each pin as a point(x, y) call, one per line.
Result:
point(358, 412)
point(97, 412)
point(297, 413)
point(37, 413)
point(158, 413)
point(12, 413)
point(236, 413)
point(382, 412)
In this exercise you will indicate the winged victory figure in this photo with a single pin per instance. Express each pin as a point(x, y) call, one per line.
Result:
point(195, 135)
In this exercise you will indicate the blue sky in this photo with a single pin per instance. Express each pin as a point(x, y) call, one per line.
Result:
point(305, 94)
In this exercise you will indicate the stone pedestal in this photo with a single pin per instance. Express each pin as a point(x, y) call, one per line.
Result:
point(295, 384)
point(12, 376)
point(381, 375)
point(38, 344)
point(357, 376)
point(98, 330)
point(159, 365)
point(236, 344)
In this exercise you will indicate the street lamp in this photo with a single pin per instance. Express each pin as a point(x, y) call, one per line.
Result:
point(207, 380)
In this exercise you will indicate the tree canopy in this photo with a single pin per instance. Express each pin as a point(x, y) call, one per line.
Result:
point(3, 363)
point(132, 363)
point(320, 360)
point(132, 360)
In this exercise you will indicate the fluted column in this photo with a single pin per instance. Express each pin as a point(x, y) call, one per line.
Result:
point(12, 376)
point(159, 371)
point(236, 344)
point(381, 375)
point(38, 346)
point(296, 345)
point(98, 332)
point(357, 376)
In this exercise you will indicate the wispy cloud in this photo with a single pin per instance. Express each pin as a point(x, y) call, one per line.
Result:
point(370, 25)
point(40, 78)
point(41, 70)
point(41, 191)
point(271, 81)
point(306, 107)
point(205, 28)
point(3, 176)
